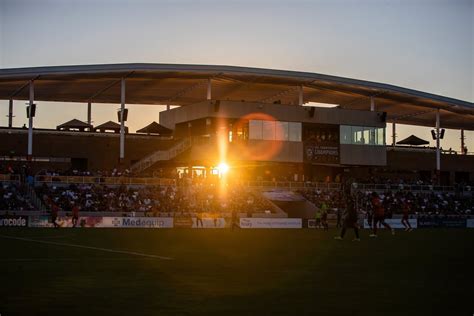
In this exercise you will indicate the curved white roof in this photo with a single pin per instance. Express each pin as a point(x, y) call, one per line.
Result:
point(186, 84)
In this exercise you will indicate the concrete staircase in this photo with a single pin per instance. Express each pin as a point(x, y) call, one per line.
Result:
point(36, 201)
point(161, 155)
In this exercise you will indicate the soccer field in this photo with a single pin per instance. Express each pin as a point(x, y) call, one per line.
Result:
point(241, 272)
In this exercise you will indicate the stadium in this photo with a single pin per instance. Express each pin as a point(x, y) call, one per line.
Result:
point(268, 163)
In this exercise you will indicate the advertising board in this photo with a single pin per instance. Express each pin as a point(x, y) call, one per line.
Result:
point(13, 221)
point(470, 223)
point(250, 222)
point(447, 222)
point(105, 222)
point(394, 223)
point(217, 222)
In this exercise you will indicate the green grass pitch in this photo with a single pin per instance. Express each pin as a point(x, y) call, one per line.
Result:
point(241, 272)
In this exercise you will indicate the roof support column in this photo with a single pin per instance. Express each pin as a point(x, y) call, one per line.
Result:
point(122, 123)
point(89, 112)
point(209, 89)
point(30, 119)
point(168, 107)
point(300, 95)
point(463, 151)
point(372, 104)
point(10, 113)
point(438, 153)
point(394, 134)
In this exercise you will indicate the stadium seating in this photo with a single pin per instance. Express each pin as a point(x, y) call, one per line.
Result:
point(13, 197)
point(154, 200)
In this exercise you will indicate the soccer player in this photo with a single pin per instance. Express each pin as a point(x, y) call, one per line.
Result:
point(54, 215)
point(406, 211)
point(338, 217)
point(318, 218)
point(370, 212)
point(215, 218)
point(324, 216)
point(350, 220)
point(379, 215)
point(75, 214)
point(199, 219)
point(234, 220)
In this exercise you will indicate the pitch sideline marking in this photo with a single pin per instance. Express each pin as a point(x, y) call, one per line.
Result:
point(71, 259)
point(54, 236)
point(88, 247)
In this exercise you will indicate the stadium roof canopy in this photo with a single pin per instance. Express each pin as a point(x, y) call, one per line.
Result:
point(172, 84)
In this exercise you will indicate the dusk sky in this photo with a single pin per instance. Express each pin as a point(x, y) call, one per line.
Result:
point(423, 45)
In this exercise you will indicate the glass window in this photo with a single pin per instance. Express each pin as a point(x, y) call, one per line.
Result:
point(268, 130)
point(369, 135)
point(275, 130)
point(366, 136)
point(373, 138)
point(380, 136)
point(346, 134)
point(281, 131)
point(357, 135)
point(295, 132)
point(255, 129)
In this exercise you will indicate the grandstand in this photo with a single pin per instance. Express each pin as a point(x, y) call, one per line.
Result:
point(242, 148)
point(263, 122)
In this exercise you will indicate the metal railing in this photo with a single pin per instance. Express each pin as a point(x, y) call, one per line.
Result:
point(161, 155)
point(10, 178)
point(427, 149)
point(293, 185)
point(105, 180)
point(407, 187)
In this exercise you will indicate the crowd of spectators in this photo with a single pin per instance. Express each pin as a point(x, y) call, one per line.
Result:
point(432, 203)
point(13, 197)
point(332, 198)
point(154, 200)
point(420, 203)
point(209, 195)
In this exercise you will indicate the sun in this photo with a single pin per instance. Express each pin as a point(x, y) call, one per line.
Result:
point(223, 168)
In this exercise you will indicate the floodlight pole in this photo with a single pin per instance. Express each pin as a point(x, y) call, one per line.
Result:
point(30, 119)
point(89, 112)
point(300, 95)
point(462, 141)
point(122, 123)
point(372, 104)
point(10, 113)
point(209, 89)
point(438, 154)
point(394, 134)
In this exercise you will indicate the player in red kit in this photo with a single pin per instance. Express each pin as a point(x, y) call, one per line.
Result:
point(75, 215)
point(54, 215)
point(379, 214)
point(406, 211)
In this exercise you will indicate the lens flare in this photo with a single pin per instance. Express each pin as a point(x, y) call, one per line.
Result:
point(223, 168)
